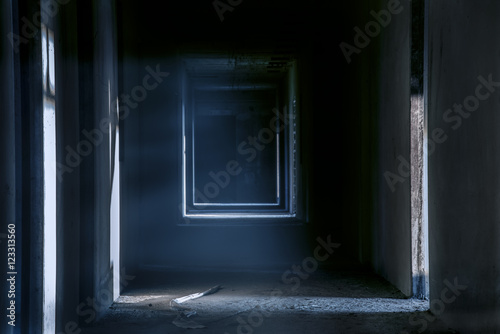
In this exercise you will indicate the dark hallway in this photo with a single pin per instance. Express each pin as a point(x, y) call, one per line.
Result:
point(314, 167)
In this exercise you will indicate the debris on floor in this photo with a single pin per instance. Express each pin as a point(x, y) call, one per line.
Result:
point(210, 291)
point(182, 320)
point(188, 314)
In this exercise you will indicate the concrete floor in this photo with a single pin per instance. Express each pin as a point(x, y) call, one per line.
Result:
point(336, 298)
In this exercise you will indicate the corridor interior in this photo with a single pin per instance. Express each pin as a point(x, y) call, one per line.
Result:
point(239, 167)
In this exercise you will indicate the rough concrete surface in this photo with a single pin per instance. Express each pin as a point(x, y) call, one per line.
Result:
point(329, 300)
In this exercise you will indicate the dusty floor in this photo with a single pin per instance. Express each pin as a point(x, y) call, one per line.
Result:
point(332, 299)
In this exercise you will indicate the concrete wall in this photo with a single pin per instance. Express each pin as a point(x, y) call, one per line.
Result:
point(335, 124)
point(391, 232)
point(105, 92)
point(463, 168)
point(68, 233)
point(7, 143)
point(86, 85)
point(377, 97)
point(30, 212)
